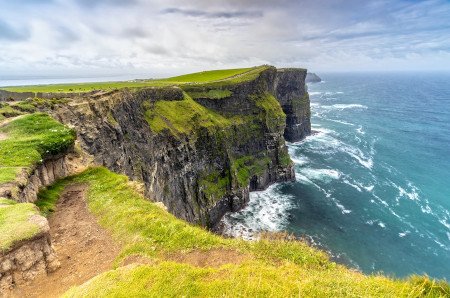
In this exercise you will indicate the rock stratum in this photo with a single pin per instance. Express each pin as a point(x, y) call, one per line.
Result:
point(198, 148)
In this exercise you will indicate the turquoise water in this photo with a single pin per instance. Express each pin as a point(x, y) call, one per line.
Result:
point(373, 182)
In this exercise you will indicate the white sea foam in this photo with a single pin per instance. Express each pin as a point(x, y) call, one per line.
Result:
point(325, 175)
point(340, 206)
point(341, 122)
point(360, 130)
point(403, 234)
point(412, 194)
point(300, 160)
point(371, 222)
point(344, 106)
point(445, 223)
point(266, 211)
point(426, 209)
point(352, 185)
point(314, 93)
point(369, 188)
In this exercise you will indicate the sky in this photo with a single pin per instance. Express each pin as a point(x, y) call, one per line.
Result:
point(157, 38)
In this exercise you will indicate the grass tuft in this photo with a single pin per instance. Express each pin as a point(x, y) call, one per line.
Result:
point(30, 139)
point(14, 222)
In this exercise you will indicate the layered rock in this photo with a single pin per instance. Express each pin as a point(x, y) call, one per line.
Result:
point(26, 186)
point(9, 96)
point(27, 259)
point(206, 165)
point(291, 92)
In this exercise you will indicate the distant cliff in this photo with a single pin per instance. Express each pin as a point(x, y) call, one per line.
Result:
point(312, 78)
point(198, 148)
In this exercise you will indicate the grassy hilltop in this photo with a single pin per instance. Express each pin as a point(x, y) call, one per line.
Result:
point(228, 75)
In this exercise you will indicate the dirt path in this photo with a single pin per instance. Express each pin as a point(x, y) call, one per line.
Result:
point(84, 248)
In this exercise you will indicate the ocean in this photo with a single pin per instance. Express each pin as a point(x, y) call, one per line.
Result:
point(373, 182)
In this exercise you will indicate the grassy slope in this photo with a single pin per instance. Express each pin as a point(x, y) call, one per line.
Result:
point(277, 268)
point(29, 139)
point(14, 224)
point(207, 76)
point(200, 77)
point(182, 116)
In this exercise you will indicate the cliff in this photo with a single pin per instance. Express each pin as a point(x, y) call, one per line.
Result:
point(27, 252)
point(312, 78)
point(198, 148)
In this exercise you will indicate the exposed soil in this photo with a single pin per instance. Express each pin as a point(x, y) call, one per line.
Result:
point(3, 136)
point(84, 248)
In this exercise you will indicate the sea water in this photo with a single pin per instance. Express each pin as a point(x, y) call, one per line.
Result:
point(373, 181)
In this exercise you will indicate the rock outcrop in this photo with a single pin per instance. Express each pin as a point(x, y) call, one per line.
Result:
point(312, 78)
point(9, 96)
point(291, 92)
point(26, 186)
point(27, 259)
point(200, 155)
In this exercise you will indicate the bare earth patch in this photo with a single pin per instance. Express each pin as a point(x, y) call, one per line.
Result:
point(84, 248)
point(3, 136)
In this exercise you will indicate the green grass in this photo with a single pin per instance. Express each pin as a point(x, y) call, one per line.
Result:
point(182, 116)
point(212, 94)
point(48, 197)
point(208, 76)
point(273, 266)
point(6, 111)
point(231, 76)
point(14, 222)
point(86, 87)
point(30, 139)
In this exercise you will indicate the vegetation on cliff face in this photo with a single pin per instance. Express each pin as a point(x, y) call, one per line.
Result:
point(182, 116)
point(15, 224)
point(272, 266)
point(28, 140)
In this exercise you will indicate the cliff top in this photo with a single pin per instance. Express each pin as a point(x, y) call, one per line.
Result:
point(26, 140)
point(224, 75)
point(18, 221)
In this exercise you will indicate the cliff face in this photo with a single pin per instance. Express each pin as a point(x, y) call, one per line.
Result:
point(291, 92)
point(202, 149)
point(28, 259)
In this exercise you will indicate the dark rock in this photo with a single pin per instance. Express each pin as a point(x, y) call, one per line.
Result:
point(201, 175)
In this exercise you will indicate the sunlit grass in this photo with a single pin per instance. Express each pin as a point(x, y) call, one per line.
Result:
point(272, 267)
point(14, 222)
point(29, 139)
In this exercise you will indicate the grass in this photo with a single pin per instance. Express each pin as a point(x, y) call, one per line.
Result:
point(30, 139)
point(208, 76)
point(182, 116)
point(212, 94)
point(273, 266)
point(231, 76)
point(86, 87)
point(14, 222)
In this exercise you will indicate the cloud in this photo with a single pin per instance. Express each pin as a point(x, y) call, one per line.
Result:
point(95, 3)
point(217, 14)
point(8, 32)
point(158, 37)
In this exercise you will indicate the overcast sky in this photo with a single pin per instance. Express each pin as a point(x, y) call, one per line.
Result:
point(164, 37)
